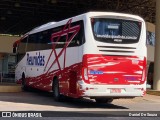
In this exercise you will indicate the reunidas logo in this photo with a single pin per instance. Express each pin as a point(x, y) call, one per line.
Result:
point(37, 60)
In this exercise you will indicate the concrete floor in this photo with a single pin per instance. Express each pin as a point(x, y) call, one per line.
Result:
point(41, 101)
point(77, 109)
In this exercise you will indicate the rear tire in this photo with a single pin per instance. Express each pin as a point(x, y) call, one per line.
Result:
point(56, 93)
point(103, 100)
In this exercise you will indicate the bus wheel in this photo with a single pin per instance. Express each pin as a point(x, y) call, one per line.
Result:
point(23, 85)
point(104, 100)
point(55, 88)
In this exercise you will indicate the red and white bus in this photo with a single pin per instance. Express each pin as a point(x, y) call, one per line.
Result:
point(100, 55)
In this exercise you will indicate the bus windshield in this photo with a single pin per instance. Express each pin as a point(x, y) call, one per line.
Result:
point(116, 30)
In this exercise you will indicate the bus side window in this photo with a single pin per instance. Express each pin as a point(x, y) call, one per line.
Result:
point(39, 41)
point(21, 49)
point(44, 40)
point(79, 39)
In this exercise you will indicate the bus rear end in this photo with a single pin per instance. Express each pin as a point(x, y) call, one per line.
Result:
point(114, 59)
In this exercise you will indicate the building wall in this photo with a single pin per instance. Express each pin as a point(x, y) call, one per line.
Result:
point(6, 43)
point(150, 53)
point(150, 48)
point(6, 49)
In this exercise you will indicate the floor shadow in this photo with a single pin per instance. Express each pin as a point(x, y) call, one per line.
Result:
point(45, 98)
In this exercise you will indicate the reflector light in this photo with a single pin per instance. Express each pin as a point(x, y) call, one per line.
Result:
point(85, 73)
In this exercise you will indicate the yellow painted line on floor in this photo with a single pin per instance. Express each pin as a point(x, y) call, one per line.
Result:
point(154, 93)
point(10, 88)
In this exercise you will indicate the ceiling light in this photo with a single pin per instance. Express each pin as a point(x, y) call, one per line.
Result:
point(17, 5)
point(9, 12)
point(3, 18)
point(53, 1)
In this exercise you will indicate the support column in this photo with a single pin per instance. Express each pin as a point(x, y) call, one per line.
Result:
point(156, 81)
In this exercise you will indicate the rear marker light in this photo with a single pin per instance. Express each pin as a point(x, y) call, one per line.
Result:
point(85, 74)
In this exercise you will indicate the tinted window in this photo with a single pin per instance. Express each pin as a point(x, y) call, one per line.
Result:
point(116, 30)
point(32, 42)
point(77, 40)
point(39, 41)
point(21, 49)
point(42, 40)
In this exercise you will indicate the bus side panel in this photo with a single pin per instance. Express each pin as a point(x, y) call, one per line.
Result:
point(71, 74)
point(61, 62)
point(36, 77)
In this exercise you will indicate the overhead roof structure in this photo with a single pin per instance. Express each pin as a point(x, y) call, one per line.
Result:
point(20, 16)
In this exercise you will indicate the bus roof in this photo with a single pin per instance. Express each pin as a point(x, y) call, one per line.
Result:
point(82, 16)
point(44, 25)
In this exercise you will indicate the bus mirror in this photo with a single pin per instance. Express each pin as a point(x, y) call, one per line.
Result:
point(14, 49)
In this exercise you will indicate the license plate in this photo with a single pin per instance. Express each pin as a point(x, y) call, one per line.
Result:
point(116, 90)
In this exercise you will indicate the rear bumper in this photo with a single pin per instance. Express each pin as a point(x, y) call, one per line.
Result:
point(106, 90)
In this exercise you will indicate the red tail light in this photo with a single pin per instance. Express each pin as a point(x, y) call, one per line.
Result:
point(85, 69)
point(144, 69)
